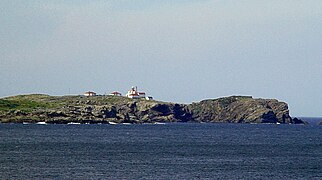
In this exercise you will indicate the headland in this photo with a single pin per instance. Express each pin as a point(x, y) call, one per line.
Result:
point(110, 109)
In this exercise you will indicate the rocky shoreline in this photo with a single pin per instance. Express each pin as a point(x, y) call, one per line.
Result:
point(113, 110)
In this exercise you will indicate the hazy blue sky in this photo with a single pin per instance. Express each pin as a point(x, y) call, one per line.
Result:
point(175, 50)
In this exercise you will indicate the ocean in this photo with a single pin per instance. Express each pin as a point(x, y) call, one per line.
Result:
point(161, 151)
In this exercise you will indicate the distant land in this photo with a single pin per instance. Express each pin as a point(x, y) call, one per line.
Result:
point(108, 109)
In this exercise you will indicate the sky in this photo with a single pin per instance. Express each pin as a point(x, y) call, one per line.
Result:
point(175, 50)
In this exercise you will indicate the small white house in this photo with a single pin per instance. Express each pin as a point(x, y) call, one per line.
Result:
point(115, 93)
point(89, 93)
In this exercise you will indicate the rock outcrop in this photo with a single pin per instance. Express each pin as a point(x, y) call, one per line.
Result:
point(111, 109)
point(241, 109)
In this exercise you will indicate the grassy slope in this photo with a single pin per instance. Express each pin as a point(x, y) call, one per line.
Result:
point(28, 103)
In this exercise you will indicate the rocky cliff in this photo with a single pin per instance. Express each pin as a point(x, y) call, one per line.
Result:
point(112, 109)
point(242, 109)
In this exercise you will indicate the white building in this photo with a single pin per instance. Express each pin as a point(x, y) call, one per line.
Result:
point(134, 94)
point(89, 93)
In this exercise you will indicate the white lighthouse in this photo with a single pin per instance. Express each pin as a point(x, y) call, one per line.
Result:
point(134, 93)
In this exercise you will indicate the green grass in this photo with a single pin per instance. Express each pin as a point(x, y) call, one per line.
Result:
point(7, 105)
point(22, 104)
point(28, 103)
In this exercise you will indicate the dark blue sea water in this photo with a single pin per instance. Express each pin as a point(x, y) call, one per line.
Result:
point(170, 151)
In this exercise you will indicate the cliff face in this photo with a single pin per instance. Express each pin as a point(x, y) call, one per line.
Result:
point(106, 109)
point(241, 109)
